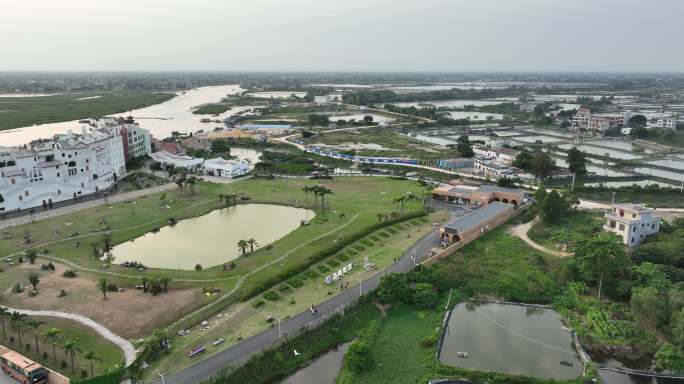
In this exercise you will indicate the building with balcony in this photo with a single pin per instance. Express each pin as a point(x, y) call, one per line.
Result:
point(631, 222)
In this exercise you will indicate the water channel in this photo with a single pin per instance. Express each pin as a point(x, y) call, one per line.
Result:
point(323, 370)
point(211, 239)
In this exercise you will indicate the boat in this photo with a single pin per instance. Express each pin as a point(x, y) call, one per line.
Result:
point(196, 350)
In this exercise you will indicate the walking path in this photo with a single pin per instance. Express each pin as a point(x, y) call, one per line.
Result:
point(40, 215)
point(520, 231)
point(126, 347)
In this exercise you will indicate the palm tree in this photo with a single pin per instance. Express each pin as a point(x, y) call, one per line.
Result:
point(90, 356)
point(306, 190)
point(243, 244)
point(31, 255)
point(53, 335)
point(34, 325)
point(102, 285)
point(17, 320)
point(71, 349)
point(107, 241)
point(325, 191)
point(145, 284)
point(180, 182)
point(252, 242)
point(192, 180)
point(34, 279)
point(165, 280)
point(3, 313)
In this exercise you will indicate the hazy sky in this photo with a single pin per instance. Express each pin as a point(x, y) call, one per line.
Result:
point(355, 35)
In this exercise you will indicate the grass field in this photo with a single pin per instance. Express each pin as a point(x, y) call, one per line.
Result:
point(108, 354)
point(27, 111)
point(662, 199)
point(573, 228)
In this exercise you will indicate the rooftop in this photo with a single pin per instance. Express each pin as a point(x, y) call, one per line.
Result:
point(477, 217)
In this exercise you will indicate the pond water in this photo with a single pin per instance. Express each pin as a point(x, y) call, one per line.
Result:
point(510, 339)
point(641, 183)
point(620, 144)
point(447, 103)
point(507, 133)
point(161, 119)
point(276, 95)
point(211, 239)
point(434, 140)
point(597, 170)
point(476, 116)
point(597, 151)
point(542, 138)
point(552, 132)
point(323, 370)
point(676, 176)
point(668, 163)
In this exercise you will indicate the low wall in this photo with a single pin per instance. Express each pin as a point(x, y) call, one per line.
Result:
point(53, 376)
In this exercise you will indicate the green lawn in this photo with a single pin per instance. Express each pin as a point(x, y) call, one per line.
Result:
point(108, 354)
point(26, 111)
point(662, 198)
point(573, 228)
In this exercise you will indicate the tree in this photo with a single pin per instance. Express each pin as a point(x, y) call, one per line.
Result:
point(220, 146)
point(31, 255)
point(17, 321)
point(648, 306)
point(34, 279)
point(164, 281)
point(637, 121)
point(4, 312)
point(107, 241)
point(670, 358)
point(368, 120)
point(553, 208)
point(523, 161)
point(464, 147)
point(393, 288)
point(601, 257)
point(71, 349)
point(53, 335)
point(677, 329)
point(358, 357)
point(162, 199)
point(577, 162)
point(252, 243)
point(90, 356)
point(542, 164)
point(33, 325)
point(243, 244)
point(102, 285)
point(424, 296)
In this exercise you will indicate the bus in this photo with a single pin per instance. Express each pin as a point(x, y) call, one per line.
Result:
point(22, 369)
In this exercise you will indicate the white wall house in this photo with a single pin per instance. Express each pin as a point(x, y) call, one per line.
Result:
point(136, 140)
point(328, 99)
point(631, 222)
point(177, 161)
point(225, 168)
point(48, 171)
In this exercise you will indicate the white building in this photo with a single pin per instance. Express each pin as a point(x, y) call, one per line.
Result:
point(331, 99)
point(137, 141)
point(225, 168)
point(663, 120)
point(503, 154)
point(632, 222)
point(48, 171)
point(177, 161)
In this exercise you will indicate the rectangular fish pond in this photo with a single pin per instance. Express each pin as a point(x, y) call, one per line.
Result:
point(510, 339)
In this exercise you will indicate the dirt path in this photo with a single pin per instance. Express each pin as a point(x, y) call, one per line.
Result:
point(520, 231)
point(126, 347)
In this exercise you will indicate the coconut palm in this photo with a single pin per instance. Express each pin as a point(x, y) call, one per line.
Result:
point(33, 325)
point(107, 241)
point(243, 244)
point(252, 243)
point(17, 320)
point(4, 312)
point(53, 335)
point(164, 281)
point(90, 356)
point(71, 349)
point(102, 286)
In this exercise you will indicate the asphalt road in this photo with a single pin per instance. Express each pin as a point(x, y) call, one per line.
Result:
point(5, 379)
point(242, 351)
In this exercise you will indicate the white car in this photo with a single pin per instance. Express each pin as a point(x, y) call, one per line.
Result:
point(218, 341)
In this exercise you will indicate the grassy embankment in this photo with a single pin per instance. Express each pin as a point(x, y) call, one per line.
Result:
point(107, 355)
point(571, 230)
point(211, 109)
point(26, 111)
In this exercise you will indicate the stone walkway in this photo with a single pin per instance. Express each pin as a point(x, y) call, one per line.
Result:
point(126, 347)
point(41, 215)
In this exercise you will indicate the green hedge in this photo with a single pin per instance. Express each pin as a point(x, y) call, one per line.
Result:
point(112, 377)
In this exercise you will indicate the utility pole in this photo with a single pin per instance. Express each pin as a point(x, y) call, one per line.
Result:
point(572, 187)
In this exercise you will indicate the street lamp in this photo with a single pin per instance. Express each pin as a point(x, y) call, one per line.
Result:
point(279, 330)
point(360, 283)
point(162, 378)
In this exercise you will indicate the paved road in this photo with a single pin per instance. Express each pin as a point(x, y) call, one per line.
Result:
point(242, 351)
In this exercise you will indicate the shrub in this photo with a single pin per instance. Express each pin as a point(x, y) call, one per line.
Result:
point(284, 289)
point(258, 303)
point(424, 296)
point(272, 296)
point(323, 268)
point(333, 263)
point(342, 257)
point(32, 293)
point(63, 364)
point(17, 288)
point(111, 287)
point(358, 357)
point(359, 247)
point(383, 234)
point(69, 273)
point(198, 267)
point(296, 283)
point(84, 373)
point(311, 274)
point(367, 242)
point(431, 339)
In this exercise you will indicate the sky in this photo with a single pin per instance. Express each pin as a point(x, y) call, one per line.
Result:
point(342, 35)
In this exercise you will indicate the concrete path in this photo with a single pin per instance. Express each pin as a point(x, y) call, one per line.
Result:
point(41, 215)
point(241, 352)
point(520, 231)
point(126, 347)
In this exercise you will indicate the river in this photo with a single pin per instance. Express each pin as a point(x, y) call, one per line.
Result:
point(160, 119)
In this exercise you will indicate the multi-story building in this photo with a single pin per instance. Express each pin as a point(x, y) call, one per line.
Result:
point(68, 166)
point(631, 222)
point(328, 99)
point(136, 141)
point(503, 154)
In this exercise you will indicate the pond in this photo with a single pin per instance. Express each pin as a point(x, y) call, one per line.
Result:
point(597, 170)
point(475, 116)
point(675, 176)
point(160, 119)
point(211, 239)
point(323, 370)
point(542, 138)
point(434, 140)
point(447, 103)
point(510, 339)
point(597, 151)
point(668, 163)
point(620, 144)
